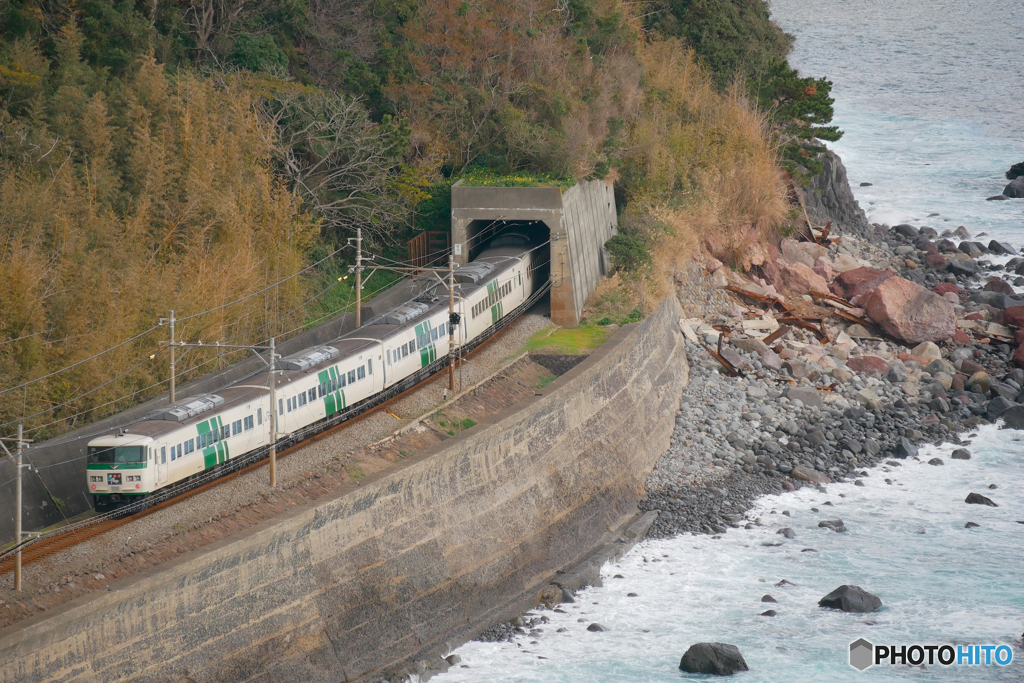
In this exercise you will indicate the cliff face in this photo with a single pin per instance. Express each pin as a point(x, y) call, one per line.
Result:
point(829, 197)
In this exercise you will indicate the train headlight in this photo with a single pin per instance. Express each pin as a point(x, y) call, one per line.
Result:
point(138, 486)
point(94, 487)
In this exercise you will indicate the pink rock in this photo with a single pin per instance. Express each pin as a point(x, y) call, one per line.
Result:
point(792, 253)
point(946, 287)
point(771, 360)
point(712, 264)
point(871, 365)
point(1014, 316)
point(823, 267)
point(845, 262)
point(951, 298)
point(771, 272)
point(1018, 356)
point(910, 312)
point(799, 278)
point(960, 337)
point(935, 260)
point(860, 281)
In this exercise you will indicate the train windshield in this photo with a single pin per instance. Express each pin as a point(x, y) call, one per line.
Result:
point(118, 454)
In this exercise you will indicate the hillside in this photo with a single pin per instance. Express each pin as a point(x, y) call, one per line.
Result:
point(166, 155)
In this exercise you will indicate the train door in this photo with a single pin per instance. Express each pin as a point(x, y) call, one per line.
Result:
point(161, 465)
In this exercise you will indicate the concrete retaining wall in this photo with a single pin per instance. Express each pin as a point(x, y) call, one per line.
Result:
point(433, 551)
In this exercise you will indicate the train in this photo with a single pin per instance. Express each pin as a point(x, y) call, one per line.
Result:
point(179, 442)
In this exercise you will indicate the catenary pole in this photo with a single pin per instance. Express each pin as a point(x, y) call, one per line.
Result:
point(273, 416)
point(451, 327)
point(17, 518)
point(359, 277)
point(172, 357)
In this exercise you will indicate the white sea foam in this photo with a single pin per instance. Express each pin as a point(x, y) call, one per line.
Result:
point(948, 584)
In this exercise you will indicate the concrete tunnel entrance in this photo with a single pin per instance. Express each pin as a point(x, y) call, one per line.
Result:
point(576, 224)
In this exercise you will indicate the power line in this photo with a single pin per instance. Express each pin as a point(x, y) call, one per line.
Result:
point(74, 365)
point(61, 405)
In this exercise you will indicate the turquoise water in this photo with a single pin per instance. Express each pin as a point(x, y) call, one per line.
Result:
point(930, 95)
point(945, 585)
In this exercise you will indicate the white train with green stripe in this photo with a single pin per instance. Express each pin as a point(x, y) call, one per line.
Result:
point(317, 387)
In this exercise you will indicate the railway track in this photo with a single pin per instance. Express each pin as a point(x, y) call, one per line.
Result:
point(82, 531)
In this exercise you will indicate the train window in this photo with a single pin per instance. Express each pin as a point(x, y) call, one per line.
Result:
point(225, 432)
point(369, 365)
point(361, 372)
point(387, 357)
point(302, 398)
point(178, 448)
point(406, 348)
point(341, 379)
point(322, 390)
point(247, 423)
point(280, 406)
point(312, 394)
point(173, 454)
point(433, 334)
point(290, 405)
point(351, 376)
point(259, 416)
point(163, 455)
point(236, 427)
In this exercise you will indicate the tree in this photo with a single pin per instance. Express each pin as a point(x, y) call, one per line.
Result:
point(339, 161)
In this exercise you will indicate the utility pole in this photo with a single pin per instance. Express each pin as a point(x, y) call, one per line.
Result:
point(17, 518)
point(451, 326)
point(172, 357)
point(273, 416)
point(273, 390)
point(359, 277)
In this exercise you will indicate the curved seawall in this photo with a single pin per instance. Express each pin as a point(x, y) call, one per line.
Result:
point(393, 568)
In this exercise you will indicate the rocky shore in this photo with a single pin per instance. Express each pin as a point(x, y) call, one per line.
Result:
point(815, 406)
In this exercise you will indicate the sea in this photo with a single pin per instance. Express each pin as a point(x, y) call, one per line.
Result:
point(930, 95)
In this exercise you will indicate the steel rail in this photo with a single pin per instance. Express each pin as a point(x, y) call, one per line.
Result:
point(62, 537)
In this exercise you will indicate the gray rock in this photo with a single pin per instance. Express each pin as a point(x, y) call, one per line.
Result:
point(453, 660)
point(971, 525)
point(720, 659)
point(962, 268)
point(768, 613)
point(905, 448)
point(997, 407)
point(768, 598)
point(851, 599)
point(961, 454)
point(808, 395)
point(936, 461)
point(896, 374)
point(833, 524)
point(1002, 247)
point(1013, 417)
point(906, 229)
point(787, 532)
point(1015, 189)
point(596, 628)
point(978, 499)
point(749, 345)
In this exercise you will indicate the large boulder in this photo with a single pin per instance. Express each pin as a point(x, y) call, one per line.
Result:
point(800, 279)
point(792, 253)
point(851, 599)
point(721, 659)
point(860, 281)
point(1014, 316)
point(1013, 417)
point(910, 312)
point(1015, 189)
point(999, 286)
point(1001, 248)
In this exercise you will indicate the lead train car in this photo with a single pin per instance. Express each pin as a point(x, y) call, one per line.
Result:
point(184, 440)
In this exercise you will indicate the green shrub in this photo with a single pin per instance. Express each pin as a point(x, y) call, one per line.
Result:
point(628, 254)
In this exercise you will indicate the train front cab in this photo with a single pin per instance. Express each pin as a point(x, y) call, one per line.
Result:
point(121, 470)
